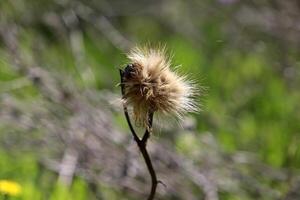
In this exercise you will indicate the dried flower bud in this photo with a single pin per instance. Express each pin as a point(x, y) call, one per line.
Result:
point(151, 86)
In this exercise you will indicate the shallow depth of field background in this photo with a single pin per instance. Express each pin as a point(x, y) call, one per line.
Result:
point(63, 136)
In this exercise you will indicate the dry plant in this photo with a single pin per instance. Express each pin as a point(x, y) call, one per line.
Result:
point(149, 86)
point(84, 137)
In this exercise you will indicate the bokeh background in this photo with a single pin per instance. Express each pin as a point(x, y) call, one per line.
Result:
point(62, 136)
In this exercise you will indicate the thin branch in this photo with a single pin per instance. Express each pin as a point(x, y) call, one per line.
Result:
point(68, 166)
point(142, 143)
point(135, 136)
point(103, 24)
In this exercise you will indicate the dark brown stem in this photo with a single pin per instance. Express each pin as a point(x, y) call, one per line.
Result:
point(135, 136)
point(142, 143)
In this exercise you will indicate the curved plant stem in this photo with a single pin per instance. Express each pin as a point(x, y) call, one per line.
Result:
point(142, 143)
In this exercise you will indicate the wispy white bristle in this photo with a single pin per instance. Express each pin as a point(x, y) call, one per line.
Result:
point(153, 87)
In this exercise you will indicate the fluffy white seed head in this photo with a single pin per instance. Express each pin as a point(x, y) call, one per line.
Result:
point(151, 86)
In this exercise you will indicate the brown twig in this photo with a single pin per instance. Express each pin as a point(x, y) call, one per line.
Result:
point(142, 143)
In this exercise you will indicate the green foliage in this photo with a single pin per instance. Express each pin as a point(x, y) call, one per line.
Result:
point(247, 104)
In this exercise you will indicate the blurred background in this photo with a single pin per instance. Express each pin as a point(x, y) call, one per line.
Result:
point(62, 137)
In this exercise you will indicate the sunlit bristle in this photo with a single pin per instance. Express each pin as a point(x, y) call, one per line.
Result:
point(151, 86)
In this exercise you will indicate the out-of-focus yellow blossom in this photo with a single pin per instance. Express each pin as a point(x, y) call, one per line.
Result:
point(10, 188)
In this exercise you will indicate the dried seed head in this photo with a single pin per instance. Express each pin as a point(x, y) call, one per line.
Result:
point(151, 86)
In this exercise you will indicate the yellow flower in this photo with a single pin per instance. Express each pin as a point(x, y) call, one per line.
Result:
point(10, 188)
